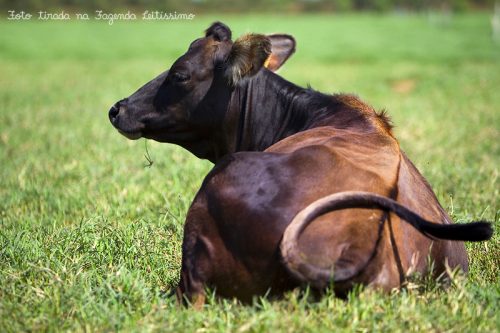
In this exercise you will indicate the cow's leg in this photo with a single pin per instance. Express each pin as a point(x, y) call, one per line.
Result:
point(195, 272)
point(197, 256)
point(190, 290)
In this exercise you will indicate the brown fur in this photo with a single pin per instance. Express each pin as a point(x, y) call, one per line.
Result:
point(381, 119)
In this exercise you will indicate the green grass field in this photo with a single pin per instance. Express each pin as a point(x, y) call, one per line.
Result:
point(90, 238)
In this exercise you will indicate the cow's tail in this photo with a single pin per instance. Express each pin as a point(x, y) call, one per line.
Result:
point(301, 269)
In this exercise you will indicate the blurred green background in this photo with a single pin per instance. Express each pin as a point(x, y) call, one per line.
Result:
point(90, 237)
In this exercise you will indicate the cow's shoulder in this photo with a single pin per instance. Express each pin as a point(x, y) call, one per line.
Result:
point(374, 152)
point(335, 137)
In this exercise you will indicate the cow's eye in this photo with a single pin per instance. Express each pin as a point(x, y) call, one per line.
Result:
point(180, 77)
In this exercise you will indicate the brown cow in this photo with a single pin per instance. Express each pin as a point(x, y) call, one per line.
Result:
point(284, 153)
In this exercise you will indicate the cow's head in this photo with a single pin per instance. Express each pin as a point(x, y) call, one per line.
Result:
point(186, 103)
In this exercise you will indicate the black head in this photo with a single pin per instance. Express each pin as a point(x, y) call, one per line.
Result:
point(186, 104)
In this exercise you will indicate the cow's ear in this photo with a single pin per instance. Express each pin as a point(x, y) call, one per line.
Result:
point(282, 47)
point(247, 56)
point(219, 31)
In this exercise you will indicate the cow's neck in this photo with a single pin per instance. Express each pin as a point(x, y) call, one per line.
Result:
point(267, 109)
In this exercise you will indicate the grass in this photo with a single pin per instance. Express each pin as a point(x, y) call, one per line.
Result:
point(90, 237)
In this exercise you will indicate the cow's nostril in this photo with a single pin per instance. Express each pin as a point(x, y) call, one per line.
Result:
point(113, 112)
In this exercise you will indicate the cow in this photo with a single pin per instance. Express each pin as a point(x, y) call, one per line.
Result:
point(306, 188)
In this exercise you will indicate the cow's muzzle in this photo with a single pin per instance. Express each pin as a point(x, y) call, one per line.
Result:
point(116, 113)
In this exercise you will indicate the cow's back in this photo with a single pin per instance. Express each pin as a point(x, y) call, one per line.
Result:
point(253, 196)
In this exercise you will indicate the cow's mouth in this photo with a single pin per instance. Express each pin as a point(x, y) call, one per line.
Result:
point(173, 134)
point(131, 135)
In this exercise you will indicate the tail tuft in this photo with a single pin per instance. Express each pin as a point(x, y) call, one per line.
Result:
point(471, 232)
